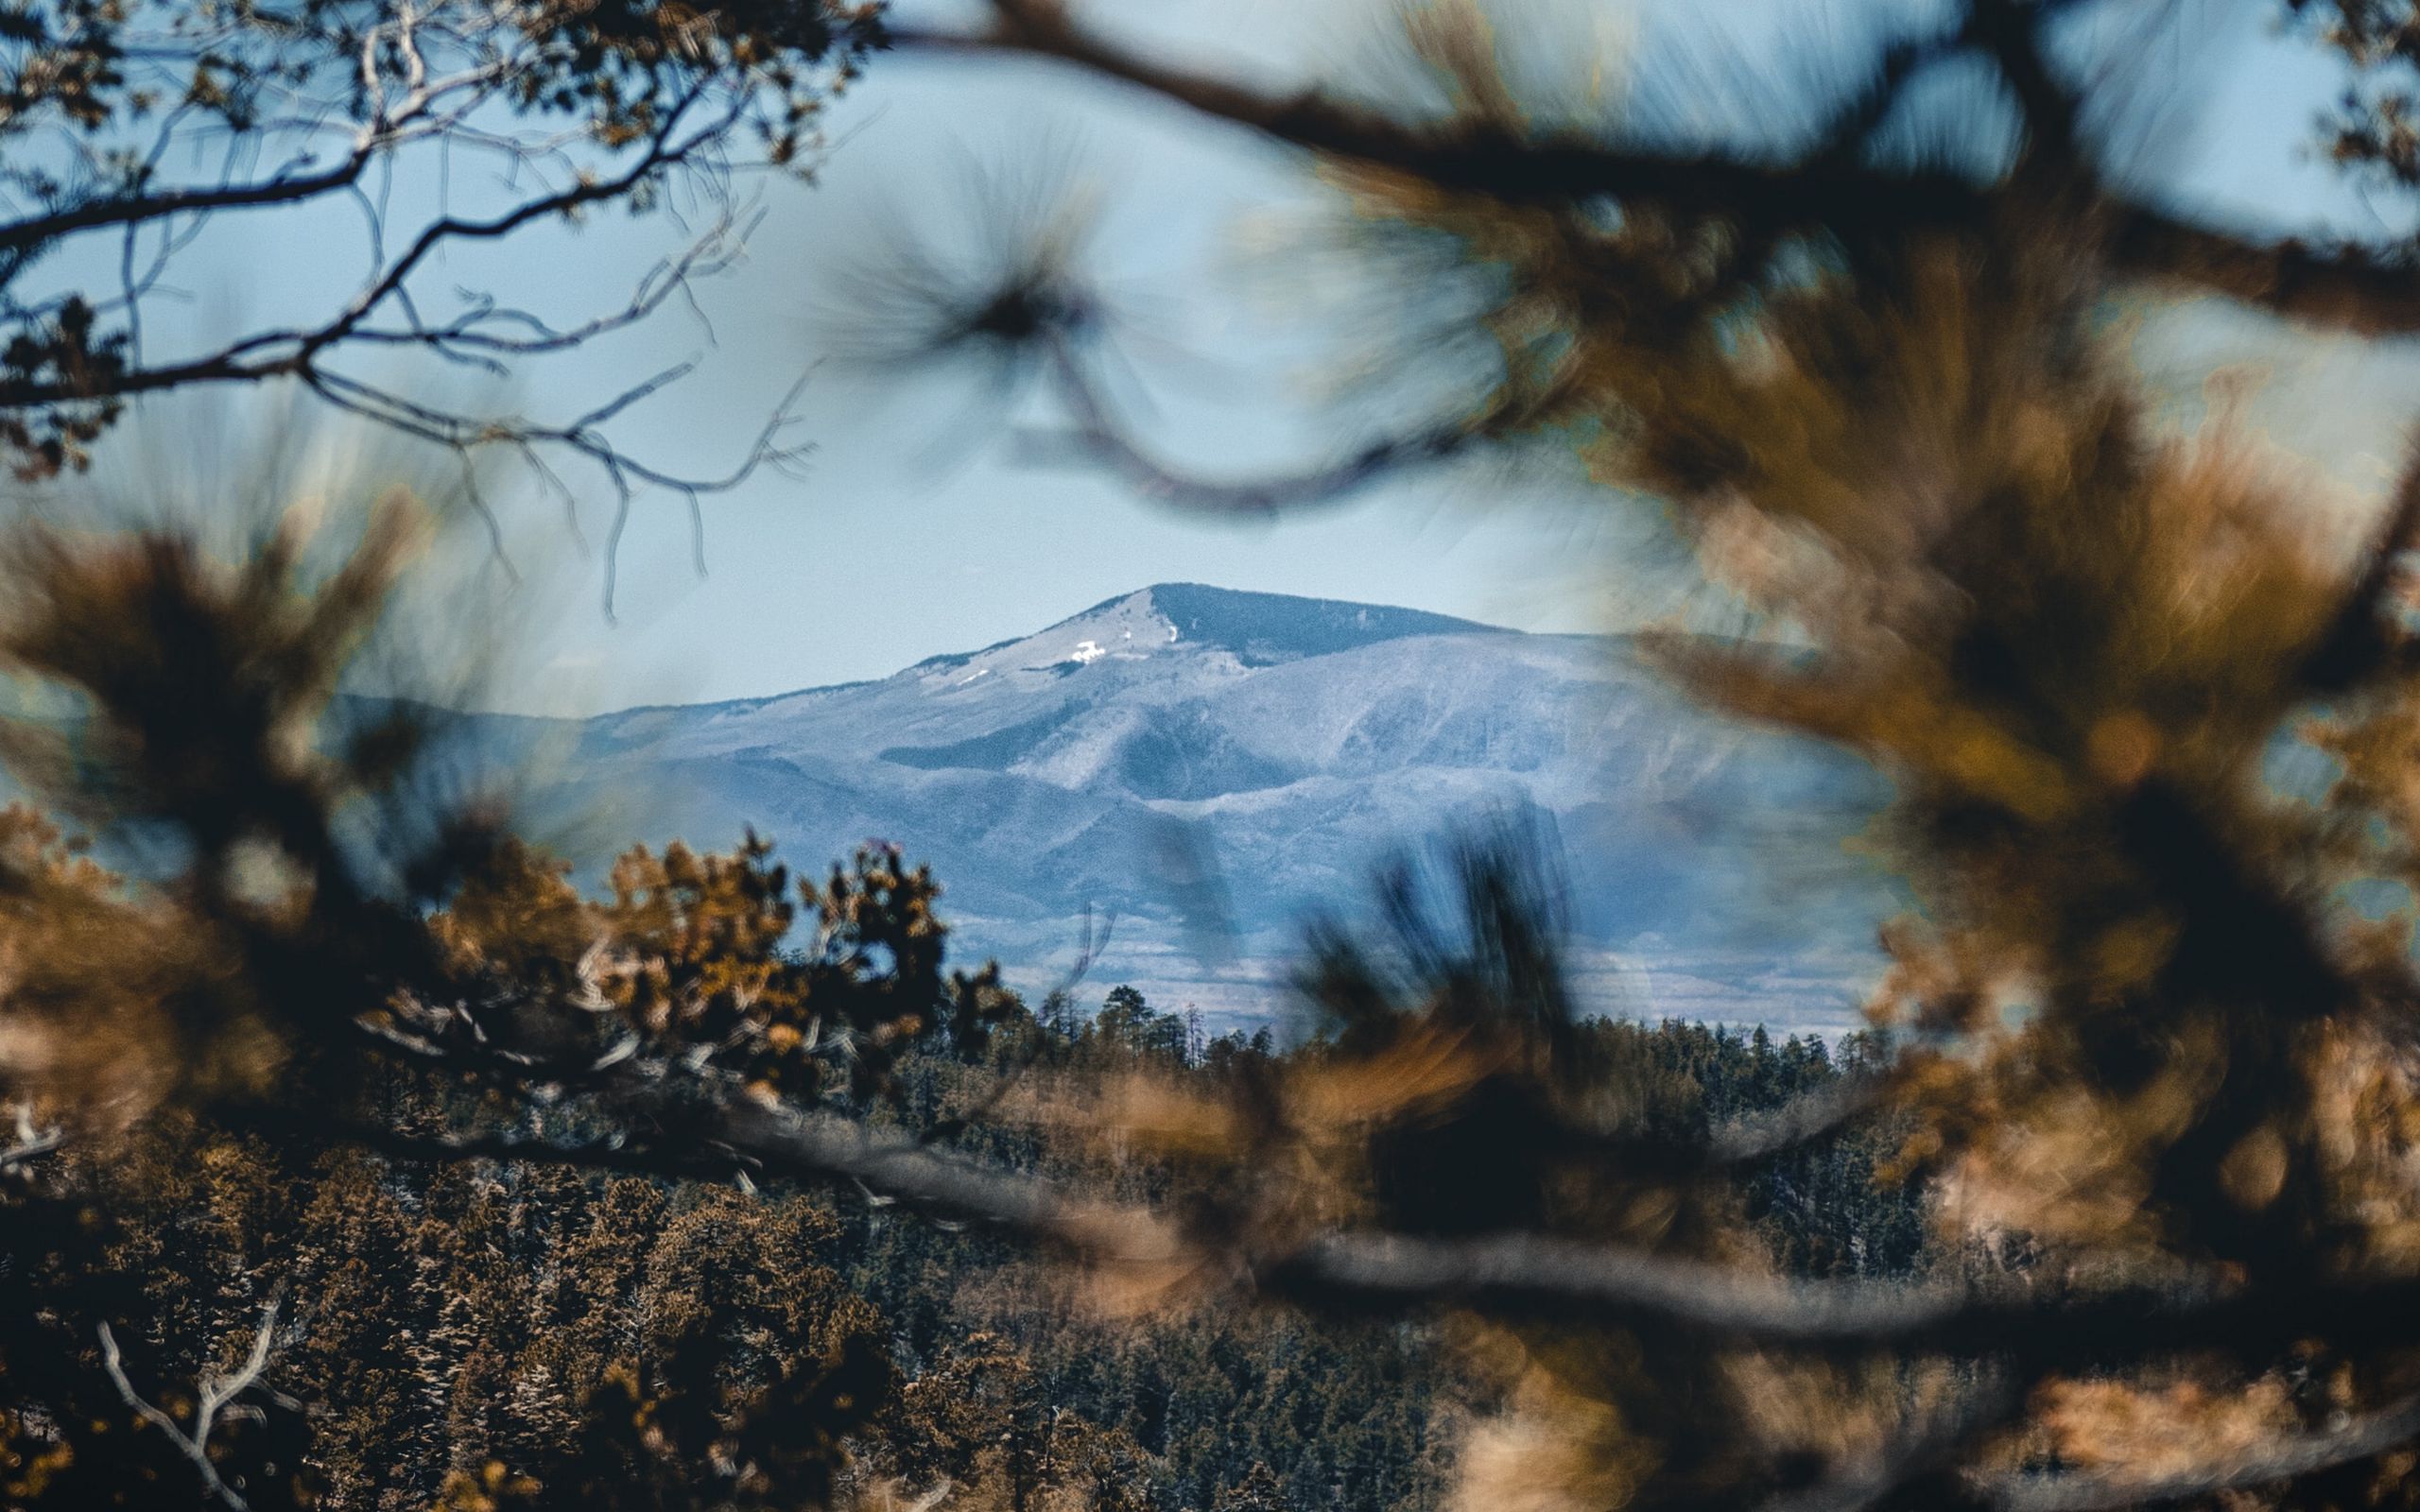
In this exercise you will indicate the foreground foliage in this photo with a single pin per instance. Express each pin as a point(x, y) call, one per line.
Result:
point(502, 1333)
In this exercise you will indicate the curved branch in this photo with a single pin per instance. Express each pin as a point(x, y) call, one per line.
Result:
point(2024, 1322)
point(1098, 438)
point(2352, 288)
point(2289, 1459)
point(1475, 158)
point(482, 335)
point(34, 231)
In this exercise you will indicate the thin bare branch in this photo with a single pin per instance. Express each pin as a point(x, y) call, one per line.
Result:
point(1098, 438)
point(213, 1393)
point(40, 1144)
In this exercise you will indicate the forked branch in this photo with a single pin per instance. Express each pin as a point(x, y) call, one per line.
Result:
point(213, 1395)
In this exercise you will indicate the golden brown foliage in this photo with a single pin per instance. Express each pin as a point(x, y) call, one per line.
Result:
point(2153, 1035)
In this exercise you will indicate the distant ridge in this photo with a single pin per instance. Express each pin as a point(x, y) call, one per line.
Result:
point(1260, 628)
point(1209, 768)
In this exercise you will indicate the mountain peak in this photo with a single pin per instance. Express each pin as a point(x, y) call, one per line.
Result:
point(1258, 628)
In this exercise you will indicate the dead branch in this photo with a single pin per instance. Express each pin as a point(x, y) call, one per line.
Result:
point(725, 1129)
point(213, 1393)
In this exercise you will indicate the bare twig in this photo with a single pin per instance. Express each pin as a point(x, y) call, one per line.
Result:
point(33, 1142)
point(213, 1393)
point(25, 1150)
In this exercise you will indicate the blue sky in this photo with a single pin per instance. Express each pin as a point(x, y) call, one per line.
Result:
point(915, 532)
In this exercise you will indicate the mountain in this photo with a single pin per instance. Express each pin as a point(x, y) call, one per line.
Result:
point(1200, 770)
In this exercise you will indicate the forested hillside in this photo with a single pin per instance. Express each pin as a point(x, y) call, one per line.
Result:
point(509, 1333)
